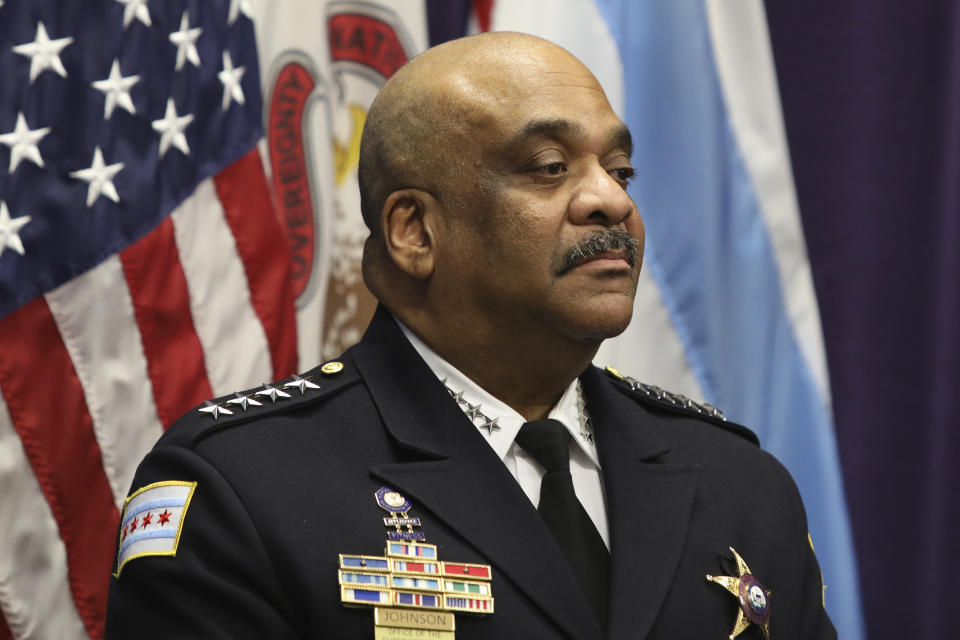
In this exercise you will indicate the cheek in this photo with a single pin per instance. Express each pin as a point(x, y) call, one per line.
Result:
point(527, 243)
point(636, 229)
point(518, 233)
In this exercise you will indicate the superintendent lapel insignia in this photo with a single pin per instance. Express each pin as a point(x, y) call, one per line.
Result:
point(214, 409)
point(414, 594)
point(273, 392)
point(473, 411)
point(244, 401)
point(301, 384)
point(754, 598)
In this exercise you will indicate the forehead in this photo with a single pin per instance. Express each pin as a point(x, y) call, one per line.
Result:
point(531, 100)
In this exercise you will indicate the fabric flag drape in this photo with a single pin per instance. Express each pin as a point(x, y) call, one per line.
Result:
point(726, 309)
point(142, 271)
point(322, 63)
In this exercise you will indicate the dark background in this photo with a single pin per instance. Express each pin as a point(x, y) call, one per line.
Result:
point(871, 101)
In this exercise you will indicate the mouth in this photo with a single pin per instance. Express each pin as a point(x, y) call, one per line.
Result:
point(611, 249)
point(618, 259)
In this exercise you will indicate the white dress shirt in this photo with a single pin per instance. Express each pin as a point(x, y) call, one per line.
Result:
point(584, 462)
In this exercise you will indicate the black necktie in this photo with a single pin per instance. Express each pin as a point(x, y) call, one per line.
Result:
point(548, 442)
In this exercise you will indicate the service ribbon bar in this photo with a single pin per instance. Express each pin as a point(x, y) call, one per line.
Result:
point(420, 584)
point(461, 570)
point(468, 588)
point(468, 605)
point(417, 600)
point(411, 550)
point(366, 563)
point(412, 592)
point(364, 579)
point(403, 566)
point(408, 575)
point(364, 596)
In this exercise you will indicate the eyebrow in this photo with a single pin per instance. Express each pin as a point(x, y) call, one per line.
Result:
point(619, 136)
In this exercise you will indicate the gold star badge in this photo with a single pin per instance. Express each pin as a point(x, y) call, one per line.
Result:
point(753, 596)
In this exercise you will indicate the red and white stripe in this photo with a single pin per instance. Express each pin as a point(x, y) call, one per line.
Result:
point(92, 372)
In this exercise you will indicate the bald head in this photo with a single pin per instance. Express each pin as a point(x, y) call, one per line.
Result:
point(484, 164)
point(434, 103)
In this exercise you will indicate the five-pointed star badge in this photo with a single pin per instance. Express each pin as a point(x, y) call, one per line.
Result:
point(135, 9)
point(10, 230)
point(23, 143)
point(753, 596)
point(100, 178)
point(171, 127)
point(44, 53)
point(230, 77)
point(116, 88)
point(186, 41)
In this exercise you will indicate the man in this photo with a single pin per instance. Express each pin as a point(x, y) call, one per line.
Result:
point(503, 249)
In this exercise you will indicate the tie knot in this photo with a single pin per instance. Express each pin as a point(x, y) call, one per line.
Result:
point(548, 442)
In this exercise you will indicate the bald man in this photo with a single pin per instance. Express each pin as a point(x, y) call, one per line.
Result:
point(464, 471)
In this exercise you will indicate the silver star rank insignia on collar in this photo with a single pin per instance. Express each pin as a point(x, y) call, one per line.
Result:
point(473, 412)
point(272, 392)
point(215, 410)
point(490, 425)
point(243, 401)
point(753, 596)
point(302, 384)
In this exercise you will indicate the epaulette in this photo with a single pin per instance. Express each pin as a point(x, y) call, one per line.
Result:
point(677, 403)
point(270, 398)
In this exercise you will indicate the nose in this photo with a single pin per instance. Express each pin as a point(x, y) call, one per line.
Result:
point(601, 200)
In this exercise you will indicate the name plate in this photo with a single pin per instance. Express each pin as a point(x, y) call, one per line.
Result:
point(401, 624)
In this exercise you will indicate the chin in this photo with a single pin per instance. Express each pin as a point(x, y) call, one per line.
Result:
point(604, 321)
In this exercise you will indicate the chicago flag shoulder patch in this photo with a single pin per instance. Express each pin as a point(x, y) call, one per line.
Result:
point(152, 520)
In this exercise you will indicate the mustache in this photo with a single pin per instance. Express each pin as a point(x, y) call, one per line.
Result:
point(599, 242)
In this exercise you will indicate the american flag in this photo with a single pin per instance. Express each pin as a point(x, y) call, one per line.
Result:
point(142, 270)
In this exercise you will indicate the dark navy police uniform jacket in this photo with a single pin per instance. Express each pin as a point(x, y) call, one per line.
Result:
point(283, 488)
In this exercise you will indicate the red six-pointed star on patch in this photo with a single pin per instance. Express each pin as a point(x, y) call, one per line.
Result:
point(164, 517)
point(146, 520)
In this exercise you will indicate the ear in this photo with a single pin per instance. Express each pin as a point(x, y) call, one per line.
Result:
point(408, 221)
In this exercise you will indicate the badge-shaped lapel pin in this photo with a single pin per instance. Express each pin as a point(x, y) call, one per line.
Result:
point(753, 596)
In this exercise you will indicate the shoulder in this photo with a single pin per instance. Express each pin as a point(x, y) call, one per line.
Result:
point(665, 403)
point(269, 400)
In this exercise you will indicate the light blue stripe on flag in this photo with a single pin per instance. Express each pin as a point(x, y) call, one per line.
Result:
point(710, 253)
point(147, 535)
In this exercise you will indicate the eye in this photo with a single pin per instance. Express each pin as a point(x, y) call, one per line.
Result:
point(622, 175)
point(552, 169)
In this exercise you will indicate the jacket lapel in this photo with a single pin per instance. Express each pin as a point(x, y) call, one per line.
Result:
point(649, 504)
point(458, 477)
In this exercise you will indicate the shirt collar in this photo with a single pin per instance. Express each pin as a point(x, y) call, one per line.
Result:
point(509, 421)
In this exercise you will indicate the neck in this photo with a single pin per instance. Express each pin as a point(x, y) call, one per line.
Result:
point(528, 373)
